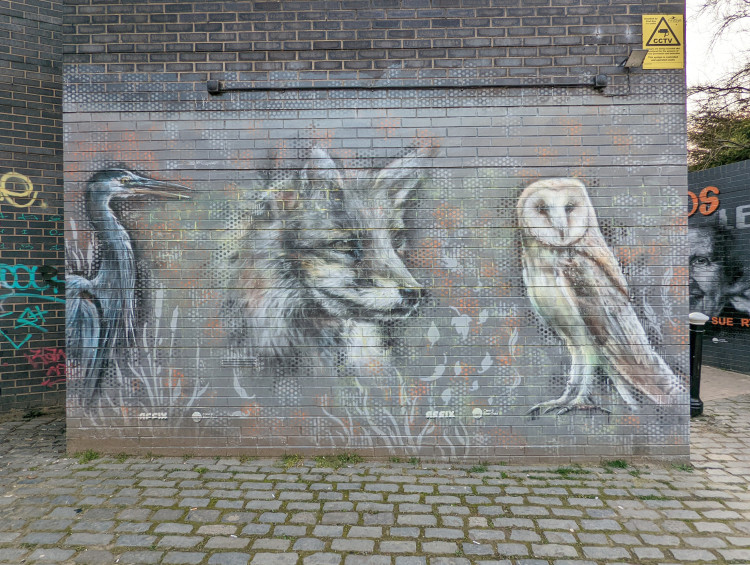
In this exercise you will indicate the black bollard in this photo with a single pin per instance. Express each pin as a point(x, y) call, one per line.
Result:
point(697, 328)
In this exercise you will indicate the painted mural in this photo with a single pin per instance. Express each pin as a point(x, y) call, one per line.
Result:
point(577, 286)
point(717, 274)
point(100, 310)
point(251, 289)
point(719, 219)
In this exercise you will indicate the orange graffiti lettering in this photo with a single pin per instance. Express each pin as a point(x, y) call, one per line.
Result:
point(706, 202)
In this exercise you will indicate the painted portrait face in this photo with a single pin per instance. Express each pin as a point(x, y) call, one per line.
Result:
point(707, 278)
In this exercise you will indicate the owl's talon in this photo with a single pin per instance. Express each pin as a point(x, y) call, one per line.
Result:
point(564, 406)
point(534, 413)
point(544, 408)
point(585, 407)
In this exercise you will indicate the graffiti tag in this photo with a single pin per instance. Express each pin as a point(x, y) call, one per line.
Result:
point(430, 414)
point(22, 198)
point(50, 358)
point(29, 318)
point(20, 278)
point(152, 416)
point(24, 277)
point(706, 202)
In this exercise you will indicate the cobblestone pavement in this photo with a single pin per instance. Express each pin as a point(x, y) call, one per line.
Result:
point(126, 510)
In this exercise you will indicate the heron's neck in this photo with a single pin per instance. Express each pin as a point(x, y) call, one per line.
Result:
point(117, 268)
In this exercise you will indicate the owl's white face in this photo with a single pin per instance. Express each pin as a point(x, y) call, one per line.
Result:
point(556, 211)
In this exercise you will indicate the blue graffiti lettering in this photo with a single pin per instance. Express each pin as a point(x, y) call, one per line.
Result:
point(19, 277)
point(32, 318)
point(15, 344)
point(28, 318)
point(24, 277)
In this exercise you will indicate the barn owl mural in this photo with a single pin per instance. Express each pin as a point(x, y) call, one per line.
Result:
point(576, 285)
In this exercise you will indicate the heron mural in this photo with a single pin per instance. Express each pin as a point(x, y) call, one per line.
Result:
point(101, 311)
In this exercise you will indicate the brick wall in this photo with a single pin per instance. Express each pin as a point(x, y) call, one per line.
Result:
point(32, 312)
point(344, 265)
point(719, 207)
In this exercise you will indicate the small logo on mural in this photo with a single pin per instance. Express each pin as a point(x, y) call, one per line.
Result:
point(152, 416)
point(479, 413)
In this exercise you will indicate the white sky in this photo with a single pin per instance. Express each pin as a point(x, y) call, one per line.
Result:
point(705, 63)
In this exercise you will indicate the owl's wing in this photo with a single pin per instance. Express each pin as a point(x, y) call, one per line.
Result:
point(594, 247)
point(601, 294)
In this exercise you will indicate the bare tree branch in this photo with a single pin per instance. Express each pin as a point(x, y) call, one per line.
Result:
point(719, 120)
point(728, 13)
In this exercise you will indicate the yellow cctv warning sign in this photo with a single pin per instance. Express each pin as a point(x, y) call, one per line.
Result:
point(664, 37)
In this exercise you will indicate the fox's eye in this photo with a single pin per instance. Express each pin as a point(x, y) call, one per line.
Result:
point(351, 247)
point(342, 245)
point(542, 208)
point(569, 207)
point(124, 180)
point(399, 239)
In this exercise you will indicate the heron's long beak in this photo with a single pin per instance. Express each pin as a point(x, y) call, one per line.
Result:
point(153, 187)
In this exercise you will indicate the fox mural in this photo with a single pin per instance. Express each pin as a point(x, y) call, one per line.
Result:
point(322, 270)
point(314, 285)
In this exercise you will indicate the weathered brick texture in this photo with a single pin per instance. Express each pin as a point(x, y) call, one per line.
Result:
point(407, 230)
point(323, 42)
point(32, 312)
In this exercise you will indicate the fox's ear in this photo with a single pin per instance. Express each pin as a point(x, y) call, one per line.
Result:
point(320, 173)
point(400, 177)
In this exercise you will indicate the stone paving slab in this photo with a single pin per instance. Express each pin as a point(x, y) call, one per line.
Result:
point(62, 509)
point(717, 384)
